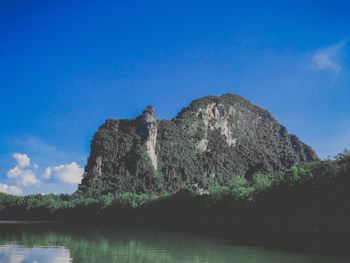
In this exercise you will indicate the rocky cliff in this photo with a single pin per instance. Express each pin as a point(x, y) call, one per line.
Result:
point(207, 143)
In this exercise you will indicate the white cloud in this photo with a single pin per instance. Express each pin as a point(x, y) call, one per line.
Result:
point(47, 173)
point(328, 57)
point(14, 172)
point(9, 189)
point(28, 177)
point(22, 159)
point(24, 176)
point(21, 171)
point(66, 173)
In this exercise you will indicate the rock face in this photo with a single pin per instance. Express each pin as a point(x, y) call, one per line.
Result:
point(149, 133)
point(207, 143)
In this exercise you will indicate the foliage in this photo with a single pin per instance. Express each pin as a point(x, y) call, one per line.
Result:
point(261, 181)
point(240, 187)
point(309, 201)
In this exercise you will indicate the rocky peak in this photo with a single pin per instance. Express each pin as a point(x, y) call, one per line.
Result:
point(207, 143)
point(148, 115)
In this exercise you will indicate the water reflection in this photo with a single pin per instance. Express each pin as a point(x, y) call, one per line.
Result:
point(43, 243)
point(22, 254)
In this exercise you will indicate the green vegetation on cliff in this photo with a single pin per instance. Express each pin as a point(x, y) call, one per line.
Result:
point(208, 143)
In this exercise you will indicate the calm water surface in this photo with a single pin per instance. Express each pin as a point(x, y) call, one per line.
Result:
point(54, 243)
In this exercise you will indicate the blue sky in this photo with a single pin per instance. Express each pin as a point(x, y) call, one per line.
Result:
point(67, 66)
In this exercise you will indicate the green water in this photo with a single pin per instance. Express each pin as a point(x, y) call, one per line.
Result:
point(51, 243)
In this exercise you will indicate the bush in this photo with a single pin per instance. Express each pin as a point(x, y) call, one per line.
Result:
point(240, 187)
point(261, 182)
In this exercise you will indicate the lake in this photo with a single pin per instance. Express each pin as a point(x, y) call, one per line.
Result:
point(40, 242)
